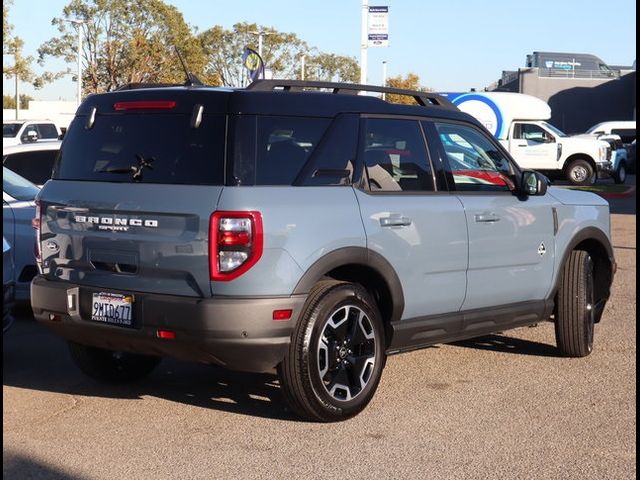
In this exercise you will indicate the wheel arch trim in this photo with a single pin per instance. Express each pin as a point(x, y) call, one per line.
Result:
point(359, 256)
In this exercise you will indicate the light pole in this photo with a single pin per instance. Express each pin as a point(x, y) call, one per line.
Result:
point(78, 23)
point(384, 77)
point(364, 40)
point(302, 68)
point(260, 33)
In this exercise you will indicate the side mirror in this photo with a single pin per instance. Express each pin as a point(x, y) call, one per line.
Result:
point(30, 136)
point(534, 183)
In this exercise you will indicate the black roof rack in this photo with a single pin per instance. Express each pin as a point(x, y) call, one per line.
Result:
point(135, 86)
point(426, 99)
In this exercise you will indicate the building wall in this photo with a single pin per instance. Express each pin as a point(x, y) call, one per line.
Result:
point(60, 112)
point(578, 103)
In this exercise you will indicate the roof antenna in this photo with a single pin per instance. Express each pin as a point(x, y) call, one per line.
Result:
point(191, 78)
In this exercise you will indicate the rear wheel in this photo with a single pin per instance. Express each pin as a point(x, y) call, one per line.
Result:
point(336, 357)
point(575, 310)
point(580, 172)
point(111, 366)
point(620, 175)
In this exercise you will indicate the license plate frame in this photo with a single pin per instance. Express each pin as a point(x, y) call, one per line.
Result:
point(112, 308)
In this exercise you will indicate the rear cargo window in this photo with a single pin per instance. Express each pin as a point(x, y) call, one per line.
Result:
point(271, 150)
point(146, 148)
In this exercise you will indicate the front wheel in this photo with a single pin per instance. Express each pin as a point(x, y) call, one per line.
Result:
point(620, 175)
point(580, 172)
point(336, 356)
point(576, 309)
point(111, 366)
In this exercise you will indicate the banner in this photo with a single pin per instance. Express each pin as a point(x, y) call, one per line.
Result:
point(378, 27)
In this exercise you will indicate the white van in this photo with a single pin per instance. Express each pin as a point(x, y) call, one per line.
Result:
point(518, 121)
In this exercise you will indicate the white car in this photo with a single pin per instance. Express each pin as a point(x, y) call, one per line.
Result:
point(626, 129)
point(18, 210)
point(16, 132)
point(33, 161)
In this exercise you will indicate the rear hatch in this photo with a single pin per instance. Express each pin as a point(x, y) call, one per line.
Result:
point(138, 176)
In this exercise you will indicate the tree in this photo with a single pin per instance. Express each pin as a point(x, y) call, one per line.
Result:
point(410, 82)
point(9, 102)
point(124, 41)
point(281, 51)
point(13, 46)
point(330, 67)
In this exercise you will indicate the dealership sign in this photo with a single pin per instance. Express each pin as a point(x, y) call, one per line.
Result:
point(378, 27)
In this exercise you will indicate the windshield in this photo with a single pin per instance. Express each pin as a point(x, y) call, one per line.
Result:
point(10, 130)
point(18, 187)
point(555, 130)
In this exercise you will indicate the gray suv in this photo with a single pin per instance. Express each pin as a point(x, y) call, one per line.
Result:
point(300, 227)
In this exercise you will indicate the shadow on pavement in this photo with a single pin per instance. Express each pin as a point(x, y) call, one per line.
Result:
point(18, 466)
point(33, 358)
point(503, 344)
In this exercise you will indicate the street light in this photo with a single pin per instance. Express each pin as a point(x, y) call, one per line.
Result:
point(384, 77)
point(260, 33)
point(78, 22)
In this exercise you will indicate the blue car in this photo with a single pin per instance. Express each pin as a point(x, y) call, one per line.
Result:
point(18, 210)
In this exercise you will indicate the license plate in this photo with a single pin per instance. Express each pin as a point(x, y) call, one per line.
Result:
point(112, 308)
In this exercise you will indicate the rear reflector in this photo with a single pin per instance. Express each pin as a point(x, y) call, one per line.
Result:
point(55, 318)
point(166, 334)
point(282, 314)
point(145, 105)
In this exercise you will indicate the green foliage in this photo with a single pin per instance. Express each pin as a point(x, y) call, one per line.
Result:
point(330, 67)
point(13, 46)
point(124, 41)
point(9, 102)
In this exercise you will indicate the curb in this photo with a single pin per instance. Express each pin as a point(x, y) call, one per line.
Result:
point(627, 193)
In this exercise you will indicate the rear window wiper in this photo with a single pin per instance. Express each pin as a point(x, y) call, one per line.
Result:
point(134, 170)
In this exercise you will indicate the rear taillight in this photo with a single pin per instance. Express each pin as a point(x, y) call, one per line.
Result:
point(235, 243)
point(35, 223)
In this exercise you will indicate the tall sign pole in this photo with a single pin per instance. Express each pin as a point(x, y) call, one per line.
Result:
point(364, 41)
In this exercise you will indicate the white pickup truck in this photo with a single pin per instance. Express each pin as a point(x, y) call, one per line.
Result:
point(519, 122)
point(16, 132)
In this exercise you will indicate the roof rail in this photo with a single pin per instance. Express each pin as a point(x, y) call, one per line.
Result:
point(135, 86)
point(426, 99)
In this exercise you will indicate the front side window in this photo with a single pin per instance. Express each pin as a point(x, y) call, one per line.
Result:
point(47, 130)
point(35, 166)
point(531, 132)
point(394, 156)
point(476, 163)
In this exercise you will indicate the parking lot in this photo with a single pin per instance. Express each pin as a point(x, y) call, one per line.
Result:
point(502, 406)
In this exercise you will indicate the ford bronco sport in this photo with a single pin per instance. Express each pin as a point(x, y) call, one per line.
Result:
point(293, 226)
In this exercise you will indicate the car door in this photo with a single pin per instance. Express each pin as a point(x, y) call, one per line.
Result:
point(533, 147)
point(417, 227)
point(511, 239)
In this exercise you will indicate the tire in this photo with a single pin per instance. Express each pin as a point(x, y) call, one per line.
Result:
point(574, 322)
point(109, 366)
point(580, 172)
point(336, 357)
point(620, 176)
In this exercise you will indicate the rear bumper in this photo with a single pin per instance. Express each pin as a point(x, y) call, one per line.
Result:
point(238, 333)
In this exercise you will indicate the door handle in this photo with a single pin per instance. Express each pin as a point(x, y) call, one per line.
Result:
point(522, 144)
point(395, 221)
point(487, 218)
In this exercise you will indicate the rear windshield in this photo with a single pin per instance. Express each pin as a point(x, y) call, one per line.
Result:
point(18, 187)
point(146, 148)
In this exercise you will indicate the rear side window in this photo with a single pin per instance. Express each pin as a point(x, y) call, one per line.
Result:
point(395, 157)
point(271, 150)
point(34, 166)
point(146, 148)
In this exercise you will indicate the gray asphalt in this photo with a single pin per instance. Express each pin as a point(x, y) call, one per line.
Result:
point(503, 406)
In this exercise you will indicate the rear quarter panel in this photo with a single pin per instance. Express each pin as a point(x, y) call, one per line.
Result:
point(301, 225)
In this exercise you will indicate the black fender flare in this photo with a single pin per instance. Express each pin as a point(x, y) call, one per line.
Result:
point(355, 256)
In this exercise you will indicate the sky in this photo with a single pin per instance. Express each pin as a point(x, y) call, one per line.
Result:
point(452, 45)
